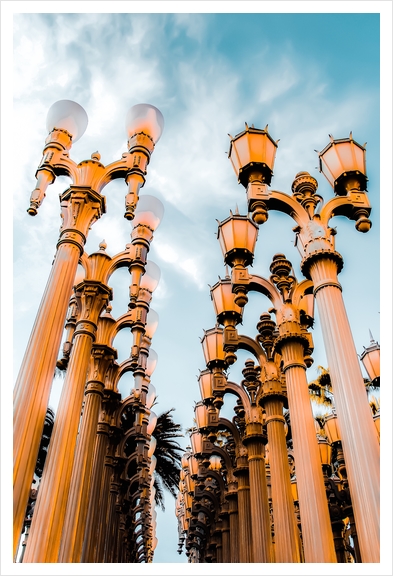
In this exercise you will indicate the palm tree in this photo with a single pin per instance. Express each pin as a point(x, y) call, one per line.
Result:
point(168, 453)
point(320, 390)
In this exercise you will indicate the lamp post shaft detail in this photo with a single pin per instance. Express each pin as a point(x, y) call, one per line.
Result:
point(47, 525)
point(260, 515)
point(285, 528)
point(244, 512)
point(33, 386)
point(77, 505)
point(316, 529)
point(353, 410)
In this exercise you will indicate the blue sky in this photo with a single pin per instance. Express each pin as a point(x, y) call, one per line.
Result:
point(307, 75)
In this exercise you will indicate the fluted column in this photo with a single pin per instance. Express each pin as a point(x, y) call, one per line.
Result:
point(358, 434)
point(233, 523)
point(80, 208)
point(260, 516)
point(226, 544)
point(79, 493)
point(100, 477)
point(285, 528)
point(244, 510)
point(218, 535)
point(316, 529)
point(111, 525)
point(104, 512)
point(48, 519)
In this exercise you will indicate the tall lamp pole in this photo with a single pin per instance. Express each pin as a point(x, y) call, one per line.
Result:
point(252, 153)
point(81, 205)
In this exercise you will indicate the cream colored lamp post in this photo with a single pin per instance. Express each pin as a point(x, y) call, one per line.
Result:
point(293, 343)
point(343, 164)
point(81, 205)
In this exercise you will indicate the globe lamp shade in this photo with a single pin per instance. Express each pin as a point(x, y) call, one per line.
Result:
point(67, 115)
point(149, 212)
point(151, 324)
point(151, 277)
point(147, 119)
point(150, 367)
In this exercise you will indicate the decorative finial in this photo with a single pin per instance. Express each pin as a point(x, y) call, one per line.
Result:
point(96, 156)
point(103, 245)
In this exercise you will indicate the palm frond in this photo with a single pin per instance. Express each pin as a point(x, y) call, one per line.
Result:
point(168, 452)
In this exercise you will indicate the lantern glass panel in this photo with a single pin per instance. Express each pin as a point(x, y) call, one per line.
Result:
point(332, 429)
point(206, 384)
point(212, 345)
point(371, 362)
point(201, 415)
point(193, 465)
point(196, 442)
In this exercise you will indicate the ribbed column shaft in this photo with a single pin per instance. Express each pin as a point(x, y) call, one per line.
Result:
point(316, 529)
point(219, 547)
point(104, 514)
point(33, 386)
point(358, 434)
point(226, 545)
point(260, 516)
point(244, 516)
point(233, 529)
point(285, 528)
point(79, 493)
point(48, 519)
point(94, 504)
point(111, 527)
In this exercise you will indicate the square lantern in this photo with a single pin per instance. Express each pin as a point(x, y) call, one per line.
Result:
point(371, 361)
point(213, 349)
point(331, 428)
point(325, 450)
point(206, 385)
point(253, 150)
point(196, 442)
point(306, 307)
point(237, 236)
point(224, 302)
point(343, 163)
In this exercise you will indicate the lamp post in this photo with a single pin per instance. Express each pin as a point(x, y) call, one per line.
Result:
point(343, 163)
point(293, 344)
point(81, 205)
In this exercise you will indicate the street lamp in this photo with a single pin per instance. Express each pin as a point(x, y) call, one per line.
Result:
point(343, 163)
point(81, 205)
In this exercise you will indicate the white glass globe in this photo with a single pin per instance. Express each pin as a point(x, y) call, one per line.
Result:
point(151, 366)
point(149, 212)
point(67, 115)
point(152, 323)
point(147, 119)
point(151, 277)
